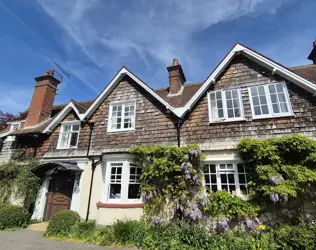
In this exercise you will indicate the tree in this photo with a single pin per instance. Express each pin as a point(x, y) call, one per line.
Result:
point(5, 118)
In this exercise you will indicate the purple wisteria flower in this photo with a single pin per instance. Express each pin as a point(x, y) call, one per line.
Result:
point(223, 224)
point(187, 175)
point(156, 220)
point(211, 224)
point(193, 212)
point(250, 224)
point(195, 179)
point(274, 198)
point(186, 157)
point(148, 196)
point(276, 179)
point(204, 202)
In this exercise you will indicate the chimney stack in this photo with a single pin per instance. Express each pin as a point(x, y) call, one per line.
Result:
point(43, 98)
point(312, 55)
point(176, 78)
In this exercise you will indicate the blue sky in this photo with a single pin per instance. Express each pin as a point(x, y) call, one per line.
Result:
point(92, 39)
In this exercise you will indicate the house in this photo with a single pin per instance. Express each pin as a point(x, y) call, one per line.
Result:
point(83, 146)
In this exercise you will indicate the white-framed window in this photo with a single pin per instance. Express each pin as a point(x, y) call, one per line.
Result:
point(122, 182)
point(231, 177)
point(13, 127)
point(225, 105)
point(270, 100)
point(122, 116)
point(68, 135)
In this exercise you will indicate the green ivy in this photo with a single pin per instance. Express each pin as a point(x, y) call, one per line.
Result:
point(280, 169)
point(17, 178)
point(222, 204)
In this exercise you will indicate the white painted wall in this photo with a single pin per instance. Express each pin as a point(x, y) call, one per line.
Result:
point(78, 186)
point(40, 202)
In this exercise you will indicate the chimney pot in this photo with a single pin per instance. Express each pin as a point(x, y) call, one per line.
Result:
point(51, 72)
point(175, 62)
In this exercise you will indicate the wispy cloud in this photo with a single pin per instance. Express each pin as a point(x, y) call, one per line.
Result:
point(110, 34)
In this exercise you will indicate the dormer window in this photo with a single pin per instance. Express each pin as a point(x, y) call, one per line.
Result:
point(13, 127)
point(121, 116)
point(225, 105)
point(68, 136)
point(270, 100)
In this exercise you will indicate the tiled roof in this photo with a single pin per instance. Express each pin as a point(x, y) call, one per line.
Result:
point(306, 71)
point(179, 100)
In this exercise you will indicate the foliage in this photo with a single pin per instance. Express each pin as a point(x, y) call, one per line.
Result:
point(61, 224)
point(299, 237)
point(17, 178)
point(222, 204)
point(171, 181)
point(280, 169)
point(4, 119)
point(13, 217)
point(128, 231)
point(82, 230)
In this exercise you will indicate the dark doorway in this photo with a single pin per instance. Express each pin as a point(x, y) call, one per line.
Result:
point(59, 193)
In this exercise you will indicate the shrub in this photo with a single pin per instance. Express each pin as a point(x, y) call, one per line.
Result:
point(62, 223)
point(128, 231)
point(13, 217)
point(82, 230)
point(297, 237)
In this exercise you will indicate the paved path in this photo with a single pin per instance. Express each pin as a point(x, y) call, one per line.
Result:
point(33, 240)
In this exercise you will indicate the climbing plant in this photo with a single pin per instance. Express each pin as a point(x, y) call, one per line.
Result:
point(280, 169)
point(18, 180)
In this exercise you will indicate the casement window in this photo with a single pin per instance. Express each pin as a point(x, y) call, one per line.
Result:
point(13, 127)
point(121, 116)
point(122, 183)
point(225, 105)
point(270, 100)
point(68, 136)
point(231, 177)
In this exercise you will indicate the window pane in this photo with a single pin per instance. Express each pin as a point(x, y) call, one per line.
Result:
point(275, 108)
point(231, 178)
point(230, 166)
point(206, 168)
point(255, 100)
point(284, 107)
point(243, 190)
point(279, 87)
point(265, 109)
point(237, 112)
point(229, 103)
point(66, 128)
point(214, 188)
point(232, 189)
point(230, 113)
point(213, 178)
point(240, 168)
point(118, 123)
point(228, 94)
point(220, 113)
point(253, 91)
point(261, 90)
point(74, 139)
point(257, 110)
point(274, 98)
point(263, 100)
point(134, 191)
point(75, 127)
point(272, 89)
point(115, 191)
point(278, 98)
point(64, 140)
point(219, 104)
point(207, 179)
point(222, 166)
point(133, 170)
point(213, 168)
point(223, 178)
point(242, 178)
point(225, 187)
point(281, 97)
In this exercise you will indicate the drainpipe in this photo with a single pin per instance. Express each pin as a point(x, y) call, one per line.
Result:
point(93, 167)
point(178, 124)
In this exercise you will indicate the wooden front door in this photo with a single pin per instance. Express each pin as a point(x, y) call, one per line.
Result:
point(59, 193)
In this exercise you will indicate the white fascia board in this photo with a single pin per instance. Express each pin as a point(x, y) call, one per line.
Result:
point(252, 55)
point(282, 71)
point(211, 79)
point(70, 106)
point(5, 134)
point(112, 85)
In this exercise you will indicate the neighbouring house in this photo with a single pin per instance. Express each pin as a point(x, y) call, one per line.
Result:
point(83, 146)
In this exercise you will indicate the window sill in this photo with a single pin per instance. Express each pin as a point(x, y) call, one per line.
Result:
point(114, 205)
point(121, 131)
point(273, 117)
point(66, 148)
point(225, 121)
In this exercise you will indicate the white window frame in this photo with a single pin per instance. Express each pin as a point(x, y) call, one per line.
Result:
point(12, 137)
point(68, 123)
point(125, 181)
point(269, 102)
point(123, 104)
point(225, 118)
point(227, 171)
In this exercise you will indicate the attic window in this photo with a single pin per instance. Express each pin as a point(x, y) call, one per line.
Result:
point(121, 116)
point(68, 136)
point(14, 126)
point(270, 100)
point(225, 105)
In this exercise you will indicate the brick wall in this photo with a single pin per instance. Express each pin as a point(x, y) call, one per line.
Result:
point(243, 73)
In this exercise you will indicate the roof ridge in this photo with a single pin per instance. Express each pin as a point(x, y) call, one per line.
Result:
point(186, 84)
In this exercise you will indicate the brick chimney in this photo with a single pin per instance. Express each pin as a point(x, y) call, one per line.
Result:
point(312, 55)
point(176, 78)
point(43, 98)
